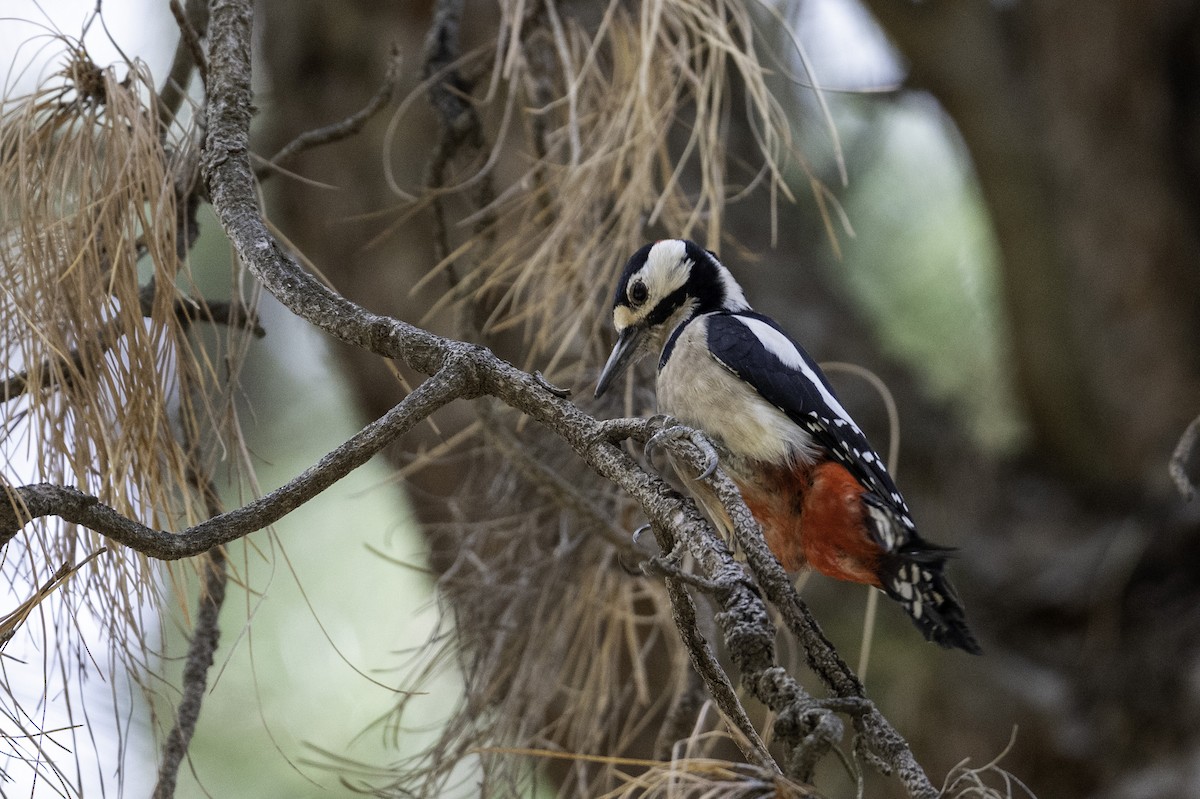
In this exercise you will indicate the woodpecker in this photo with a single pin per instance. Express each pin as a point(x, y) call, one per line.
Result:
point(805, 470)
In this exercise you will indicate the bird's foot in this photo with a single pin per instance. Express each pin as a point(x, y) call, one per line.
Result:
point(637, 549)
point(540, 379)
point(672, 430)
point(670, 565)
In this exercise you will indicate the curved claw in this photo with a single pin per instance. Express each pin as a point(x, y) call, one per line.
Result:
point(710, 456)
point(711, 460)
point(666, 434)
point(634, 570)
point(664, 424)
point(540, 379)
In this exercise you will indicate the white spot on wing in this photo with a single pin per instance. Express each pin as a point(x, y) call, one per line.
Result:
point(883, 526)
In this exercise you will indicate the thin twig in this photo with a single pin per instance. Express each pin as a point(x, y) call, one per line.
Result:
point(449, 94)
point(682, 717)
point(206, 635)
point(201, 651)
point(230, 313)
point(706, 665)
point(345, 128)
point(11, 621)
point(192, 22)
point(60, 374)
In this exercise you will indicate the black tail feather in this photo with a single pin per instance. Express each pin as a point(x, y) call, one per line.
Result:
point(915, 580)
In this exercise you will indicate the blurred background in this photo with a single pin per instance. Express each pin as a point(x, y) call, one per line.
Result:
point(1005, 230)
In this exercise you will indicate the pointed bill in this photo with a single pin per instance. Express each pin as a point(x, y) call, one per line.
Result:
point(623, 354)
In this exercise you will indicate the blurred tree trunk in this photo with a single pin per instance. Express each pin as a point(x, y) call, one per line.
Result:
point(1081, 121)
point(322, 63)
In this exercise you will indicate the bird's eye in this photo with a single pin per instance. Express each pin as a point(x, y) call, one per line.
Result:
point(638, 293)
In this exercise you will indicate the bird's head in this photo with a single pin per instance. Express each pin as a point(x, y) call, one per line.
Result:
point(664, 285)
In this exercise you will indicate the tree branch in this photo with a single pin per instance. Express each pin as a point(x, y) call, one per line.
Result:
point(227, 170)
point(25, 503)
point(225, 165)
point(220, 312)
point(809, 728)
point(206, 635)
point(879, 735)
point(64, 370)
point(708, 668)
point(449, 94)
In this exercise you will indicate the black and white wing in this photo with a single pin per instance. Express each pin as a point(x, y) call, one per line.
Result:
point(754, 348)
point(760, 354)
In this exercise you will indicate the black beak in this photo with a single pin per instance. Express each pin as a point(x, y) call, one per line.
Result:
point(624, 353)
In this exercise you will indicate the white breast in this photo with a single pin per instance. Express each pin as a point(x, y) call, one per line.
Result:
point(700, 392)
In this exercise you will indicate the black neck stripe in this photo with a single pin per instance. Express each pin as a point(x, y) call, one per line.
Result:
point(667, 306)
point(670, 345)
